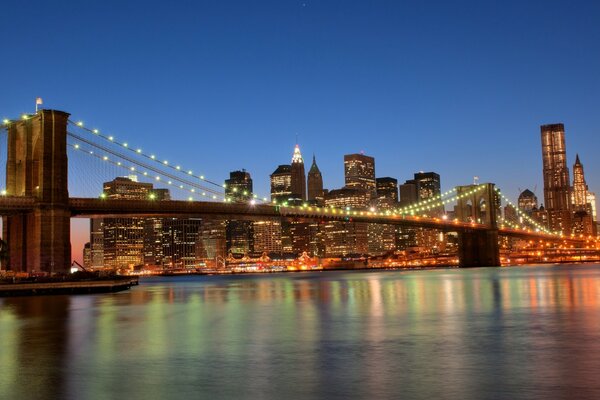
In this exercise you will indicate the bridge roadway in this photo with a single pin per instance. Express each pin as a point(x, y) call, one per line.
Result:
point(95, 207)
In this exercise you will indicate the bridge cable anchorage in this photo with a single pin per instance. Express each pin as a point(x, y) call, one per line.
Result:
point(139, 152)
point(526, 217)
point(105, 158)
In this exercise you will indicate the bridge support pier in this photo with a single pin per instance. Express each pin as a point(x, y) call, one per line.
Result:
point(36, 167)
point(478, 249)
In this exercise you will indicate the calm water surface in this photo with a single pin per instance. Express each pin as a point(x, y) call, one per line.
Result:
point(504, 333)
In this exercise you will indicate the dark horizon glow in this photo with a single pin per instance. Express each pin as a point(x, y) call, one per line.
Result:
point(456, 88)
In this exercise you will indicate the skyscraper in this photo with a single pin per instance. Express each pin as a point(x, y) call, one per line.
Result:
point(409, 193)
point(579, 186)
point(527, 201)
point(238, 188)
point(387, 192)
point(123, 238)
point(281, 184)
point(359, 173)
point(428, 185)
point(298, 182)
point(583, 221)
point(315, 184)
point(557, 187)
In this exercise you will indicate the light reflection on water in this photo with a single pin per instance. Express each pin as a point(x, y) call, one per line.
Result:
point(529, 332)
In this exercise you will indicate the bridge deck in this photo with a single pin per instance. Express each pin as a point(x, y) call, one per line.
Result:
point(93, 207)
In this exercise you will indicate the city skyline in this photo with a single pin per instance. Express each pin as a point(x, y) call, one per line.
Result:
point(473, 106)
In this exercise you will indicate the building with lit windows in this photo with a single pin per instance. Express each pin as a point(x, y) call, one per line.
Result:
point(267, 237)
point(123, 239)
point(298, 178)
point(359, 173)
point(211, 247)
point(281, 184)
point(387, 193)
point(557, 187)
point(179, 242)
point(344, 238)
point(583, 222)
point(238, 188)
point(527, 201)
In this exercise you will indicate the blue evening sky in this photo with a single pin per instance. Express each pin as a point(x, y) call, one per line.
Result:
point(456, 87)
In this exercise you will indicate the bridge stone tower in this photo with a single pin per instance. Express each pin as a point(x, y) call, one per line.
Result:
point(478, 248)
point(37, 167)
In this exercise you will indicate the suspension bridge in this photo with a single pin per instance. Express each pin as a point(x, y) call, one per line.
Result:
point(37, 209)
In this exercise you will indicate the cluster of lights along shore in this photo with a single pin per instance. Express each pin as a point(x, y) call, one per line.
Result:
point(417, 210)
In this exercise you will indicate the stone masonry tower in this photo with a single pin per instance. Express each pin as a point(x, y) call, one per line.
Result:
point(37, 167)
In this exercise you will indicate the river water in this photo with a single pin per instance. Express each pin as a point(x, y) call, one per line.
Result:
point(491, 333)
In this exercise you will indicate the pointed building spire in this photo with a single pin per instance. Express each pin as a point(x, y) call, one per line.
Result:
point(577, 162)
point(297, 156)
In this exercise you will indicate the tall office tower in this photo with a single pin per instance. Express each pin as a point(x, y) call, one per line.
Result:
point(315, 185)
point(579, 186)
point(409, 193)
point(240, 237)
point(557, 187)
point(123, 238)
point(359, 173)
point(97, 242)
point(267, 237)
point(591, 199)
point(527, 201)
point(281, 184)
point(238, 188)
point(239, 234)
point(382, 237)
point(211, 247)
point(583, 221)
point(387, 192)
point(298, 183)
point(87, 255)
point(179, 242)
point(428, 184)
point(153, 231)
point(343, 238)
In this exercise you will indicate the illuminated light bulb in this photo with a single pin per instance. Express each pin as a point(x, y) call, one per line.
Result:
point(158, 178)
point(110, 138)
point(193, 190)
point(264, 199)
point(80, 123)
point(214, 197)
point(5, 121)
point(119, 163)
point(203, 193)
point(91, 152)
point(190, 198)
point(139, 151)
point(170, 183)
point(105, 158)
point(124, 144)
point(252, 202)
point(202, 177)
point(4, 193)
point(132, 168)
point(95, 131)
point(166, 162)
point(152, 156)
point(178, 167)
point(145, 173)
point(180, 186)
point(76, 146)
